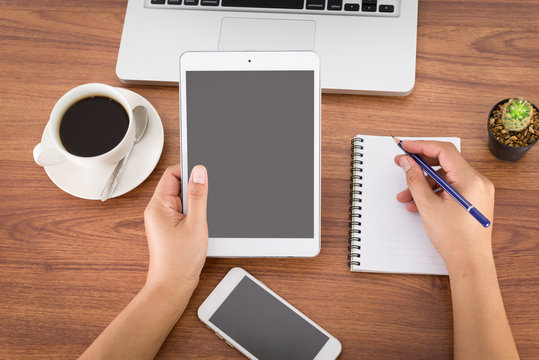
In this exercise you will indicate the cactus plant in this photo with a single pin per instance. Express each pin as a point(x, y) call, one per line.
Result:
point(517, 114)
point(513, 128)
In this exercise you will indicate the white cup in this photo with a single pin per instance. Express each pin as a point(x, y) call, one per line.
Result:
point(51, 151)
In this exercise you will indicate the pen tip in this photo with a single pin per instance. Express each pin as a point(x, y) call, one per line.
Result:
point(397, 140)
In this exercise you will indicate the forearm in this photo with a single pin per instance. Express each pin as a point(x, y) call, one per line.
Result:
point(481, 329)
point(142, 327)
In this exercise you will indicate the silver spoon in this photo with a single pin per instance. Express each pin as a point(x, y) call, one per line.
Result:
point(141, 123)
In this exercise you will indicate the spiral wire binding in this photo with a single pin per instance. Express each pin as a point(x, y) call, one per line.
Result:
point(356, 190)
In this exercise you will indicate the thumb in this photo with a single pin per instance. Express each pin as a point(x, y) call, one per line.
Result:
point(419, 187)
point(197, 194)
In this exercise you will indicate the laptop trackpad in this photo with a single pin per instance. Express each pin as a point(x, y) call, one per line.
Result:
point(239, 34)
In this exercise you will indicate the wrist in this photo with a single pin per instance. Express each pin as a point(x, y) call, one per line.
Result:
point(476, 265)
point(171, 289)
point(174, 279)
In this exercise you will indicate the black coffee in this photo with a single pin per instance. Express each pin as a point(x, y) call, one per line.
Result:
point(93, 126)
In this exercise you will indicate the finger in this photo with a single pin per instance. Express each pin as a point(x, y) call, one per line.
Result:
point(406, 196)
point(447, 154)
point(412, 207)
point(168, 189)
point(418, 185)
point(197, 195)
point(428, 160)
point(169, 185)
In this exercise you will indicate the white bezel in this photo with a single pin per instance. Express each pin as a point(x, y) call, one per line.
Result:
point(331, 349)
point(251, 61)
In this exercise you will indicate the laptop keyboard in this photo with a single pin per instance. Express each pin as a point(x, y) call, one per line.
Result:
point(384, 8)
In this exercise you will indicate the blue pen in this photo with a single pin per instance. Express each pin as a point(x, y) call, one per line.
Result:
point(450, 190)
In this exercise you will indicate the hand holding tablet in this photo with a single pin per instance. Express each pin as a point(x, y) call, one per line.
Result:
point(253, 119)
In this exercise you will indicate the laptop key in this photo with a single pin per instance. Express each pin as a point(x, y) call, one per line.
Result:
point(368, 2)
point(316, 4)
point(351, 7)
point(209, 2)
point(369, 8)
point(191, 2)
point(271, 4)
point(386, 8)
point(174, 2)
point(158, 2)
point(334, 4)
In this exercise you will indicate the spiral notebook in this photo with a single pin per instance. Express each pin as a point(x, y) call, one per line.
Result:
point(384, 236)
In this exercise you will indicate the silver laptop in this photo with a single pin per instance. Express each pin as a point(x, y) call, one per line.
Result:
point(365, 46)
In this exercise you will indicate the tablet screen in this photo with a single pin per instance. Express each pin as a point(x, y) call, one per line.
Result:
point(254, 132)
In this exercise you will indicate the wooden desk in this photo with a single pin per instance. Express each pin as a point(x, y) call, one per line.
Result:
point(68, 266)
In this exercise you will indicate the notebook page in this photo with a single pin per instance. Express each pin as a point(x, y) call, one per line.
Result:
point(392, 239)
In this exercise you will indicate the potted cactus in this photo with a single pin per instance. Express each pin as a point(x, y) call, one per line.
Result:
point(513, 126)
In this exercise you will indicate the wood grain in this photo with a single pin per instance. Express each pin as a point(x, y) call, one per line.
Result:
point(68, 265)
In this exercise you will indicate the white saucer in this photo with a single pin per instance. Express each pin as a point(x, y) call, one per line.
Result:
point(89, 183)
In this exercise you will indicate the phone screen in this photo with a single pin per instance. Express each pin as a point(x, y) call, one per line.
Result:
point(265, 326)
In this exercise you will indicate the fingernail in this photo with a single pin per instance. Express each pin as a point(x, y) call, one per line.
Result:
point(199, 175)
point(405, 164)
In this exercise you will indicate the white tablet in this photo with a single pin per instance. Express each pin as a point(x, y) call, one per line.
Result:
point(253, 119)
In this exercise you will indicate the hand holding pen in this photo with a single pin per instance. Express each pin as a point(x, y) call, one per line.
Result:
point(480, 323)
point(456, 235)
point(446, 186)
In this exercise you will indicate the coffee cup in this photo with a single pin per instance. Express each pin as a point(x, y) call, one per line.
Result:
point(91, 126)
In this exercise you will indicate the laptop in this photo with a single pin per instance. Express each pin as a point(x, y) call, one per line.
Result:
point(365, 46)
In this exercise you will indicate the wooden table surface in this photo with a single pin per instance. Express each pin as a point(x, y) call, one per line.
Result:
point(68, 266)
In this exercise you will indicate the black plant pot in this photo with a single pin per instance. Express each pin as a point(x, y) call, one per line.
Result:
point(499, 149)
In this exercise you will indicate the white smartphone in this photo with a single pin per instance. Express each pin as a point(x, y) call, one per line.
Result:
point(250, 317)
point(253, 119)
